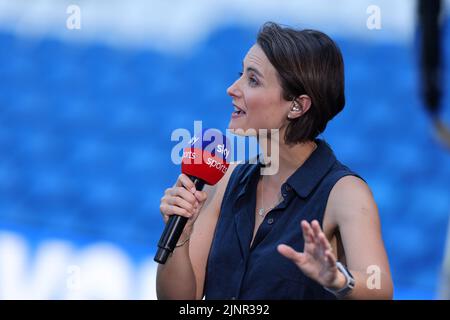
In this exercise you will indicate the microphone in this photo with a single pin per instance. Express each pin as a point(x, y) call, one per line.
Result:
point(204, 161)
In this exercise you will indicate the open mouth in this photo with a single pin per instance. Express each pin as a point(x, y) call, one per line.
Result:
point(238, 112)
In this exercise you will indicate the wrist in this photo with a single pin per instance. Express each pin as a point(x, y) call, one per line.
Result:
point(339, 282)
point(184, 237)
point(181, 243)
point(339, 289)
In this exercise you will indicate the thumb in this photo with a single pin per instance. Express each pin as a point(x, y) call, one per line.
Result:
point(201, 195)
point(290, 253)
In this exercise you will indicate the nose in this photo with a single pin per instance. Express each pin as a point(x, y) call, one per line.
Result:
point(233, 90)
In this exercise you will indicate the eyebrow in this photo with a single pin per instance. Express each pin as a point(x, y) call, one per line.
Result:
point(253, 70)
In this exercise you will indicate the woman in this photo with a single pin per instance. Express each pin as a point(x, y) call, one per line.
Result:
point(310, 231)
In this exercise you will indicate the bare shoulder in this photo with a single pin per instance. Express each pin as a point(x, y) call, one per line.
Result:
point(351, 196)
point(349, 187)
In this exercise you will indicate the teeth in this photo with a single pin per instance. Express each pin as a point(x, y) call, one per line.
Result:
point(236, 109)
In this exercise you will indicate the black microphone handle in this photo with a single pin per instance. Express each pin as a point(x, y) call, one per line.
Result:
point(173, 229)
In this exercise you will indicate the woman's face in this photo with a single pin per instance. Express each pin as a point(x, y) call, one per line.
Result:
point(257, 95)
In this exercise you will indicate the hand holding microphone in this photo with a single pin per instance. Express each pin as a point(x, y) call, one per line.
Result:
point(203, 162)
point(184, 200)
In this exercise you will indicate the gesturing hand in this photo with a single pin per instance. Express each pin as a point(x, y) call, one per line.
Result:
point(317, 260)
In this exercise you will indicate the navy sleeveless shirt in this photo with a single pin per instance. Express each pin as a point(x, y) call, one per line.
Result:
point(237, 271)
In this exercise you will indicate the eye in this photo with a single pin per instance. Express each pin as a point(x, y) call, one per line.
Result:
point(253, 81)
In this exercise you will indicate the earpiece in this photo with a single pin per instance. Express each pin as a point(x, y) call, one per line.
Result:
point(295, 107)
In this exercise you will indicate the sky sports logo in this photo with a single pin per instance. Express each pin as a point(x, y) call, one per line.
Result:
point(236, 146)
point(211, 161)
point(214, 153)
point(220, 148)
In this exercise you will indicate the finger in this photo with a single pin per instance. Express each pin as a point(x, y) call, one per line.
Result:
point(316, 228)
point(290, 253)
point(330, 258)
point(180, 202)
point(314, 231)
point(323, 249)
point(201, 196)
point(185, 194)
point(324, 243)
point(172, 210)
point(184, 181)
point(308, 234)
point(165, 216)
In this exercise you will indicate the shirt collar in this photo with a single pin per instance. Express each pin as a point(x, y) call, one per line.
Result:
point(311, 172)
point(308, 175)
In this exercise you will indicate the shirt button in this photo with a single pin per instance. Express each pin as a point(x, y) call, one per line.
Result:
point(270, 221)
point(285, 190)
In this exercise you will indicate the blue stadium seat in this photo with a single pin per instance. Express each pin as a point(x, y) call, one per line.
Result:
point(85, 138)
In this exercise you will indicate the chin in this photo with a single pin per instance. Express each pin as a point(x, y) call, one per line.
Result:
point(244, 131)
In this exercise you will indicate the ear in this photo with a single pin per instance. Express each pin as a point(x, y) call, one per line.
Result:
point(299, 106)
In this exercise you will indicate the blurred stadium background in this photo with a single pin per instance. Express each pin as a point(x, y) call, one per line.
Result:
point(86, 117)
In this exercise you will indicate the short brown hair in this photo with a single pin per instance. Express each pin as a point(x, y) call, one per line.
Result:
point(308, 62)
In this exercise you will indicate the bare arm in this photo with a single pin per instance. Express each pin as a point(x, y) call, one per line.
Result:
point(175, 279)
point(352, 209)
point(356, 215)
point(183, 275)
